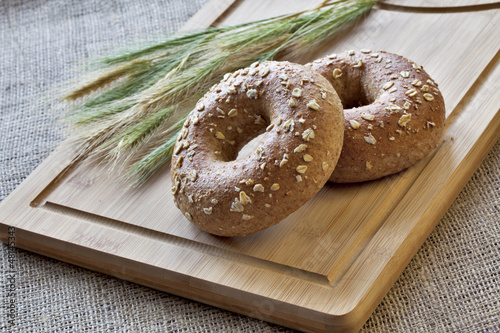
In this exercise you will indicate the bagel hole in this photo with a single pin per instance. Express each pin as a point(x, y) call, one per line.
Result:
point(356, 100)
point(249, 147)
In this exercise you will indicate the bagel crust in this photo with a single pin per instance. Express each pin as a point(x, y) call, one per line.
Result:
point(394, 113)
point(300, 118)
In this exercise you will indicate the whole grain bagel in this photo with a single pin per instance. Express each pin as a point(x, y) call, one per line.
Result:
point(394, 112)
point(301, 118)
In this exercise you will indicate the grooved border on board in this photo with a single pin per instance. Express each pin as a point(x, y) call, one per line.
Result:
point(55, 231)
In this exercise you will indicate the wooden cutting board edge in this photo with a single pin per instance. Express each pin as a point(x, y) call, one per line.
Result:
point(59, 249)
point(221, 296)
point(12, 206)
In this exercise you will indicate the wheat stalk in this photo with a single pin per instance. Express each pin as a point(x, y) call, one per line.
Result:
point(132, 109)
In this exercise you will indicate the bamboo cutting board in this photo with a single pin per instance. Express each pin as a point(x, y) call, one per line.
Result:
point(325, 267)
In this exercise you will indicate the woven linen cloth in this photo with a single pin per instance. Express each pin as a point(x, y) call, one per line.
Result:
point(451, 285)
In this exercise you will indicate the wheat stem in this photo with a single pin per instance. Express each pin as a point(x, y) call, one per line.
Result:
point(133, 109)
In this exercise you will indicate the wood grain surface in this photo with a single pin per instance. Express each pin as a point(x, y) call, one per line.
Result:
point(326, 266)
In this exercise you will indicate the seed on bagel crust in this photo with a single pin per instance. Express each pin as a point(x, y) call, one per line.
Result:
point(194, 119)
point(297, 92)
point(358, 63)
point(428, 97)
point(393, 107)
point(337, 73)
point(404, 120)
point(367, 116)
point(192, 175)
point(313, 105)
point(387, 85)
point(236, 206)
point(179, 161)
point(252, 93)
point(354, 124)
point(219, 135)
point(301, 168)
point(183, 133)
point(263, 72)
point(178, 149)
point(308, 134)
point(245, 199)
point(289, 125)
point(370, 139)
point(258, 188)
point(246, 181)
point(307, 158)
point(411, 92)
point(416, 83)
point(300, 148)
point(405, 74)
point(259, 153)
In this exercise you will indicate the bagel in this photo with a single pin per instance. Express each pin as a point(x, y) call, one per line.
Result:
point(394, 112)
point(300, 118)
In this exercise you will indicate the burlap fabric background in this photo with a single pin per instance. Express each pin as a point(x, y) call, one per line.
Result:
point(451, 285)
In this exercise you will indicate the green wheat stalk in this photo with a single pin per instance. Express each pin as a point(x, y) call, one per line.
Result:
point(131, 111)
